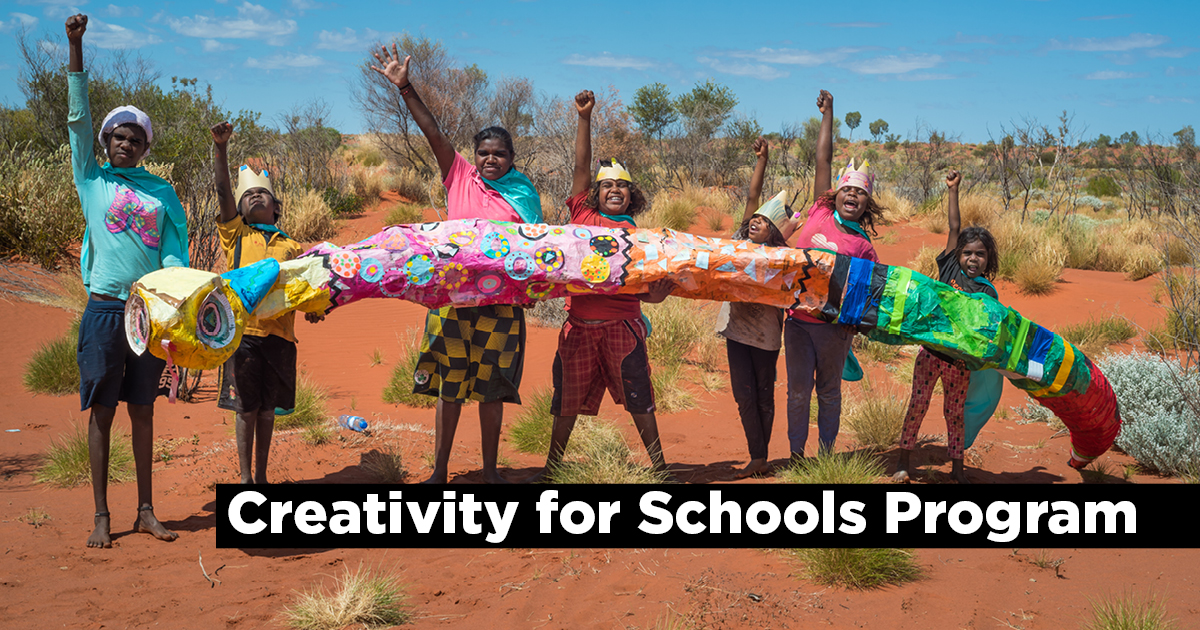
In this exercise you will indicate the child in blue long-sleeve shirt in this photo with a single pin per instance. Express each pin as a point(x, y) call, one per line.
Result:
point(135, 225)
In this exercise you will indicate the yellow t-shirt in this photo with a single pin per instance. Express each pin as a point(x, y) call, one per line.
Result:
point(258, 245)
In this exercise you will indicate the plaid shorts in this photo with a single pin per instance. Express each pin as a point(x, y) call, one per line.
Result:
point(593, 357)
point(474, 353)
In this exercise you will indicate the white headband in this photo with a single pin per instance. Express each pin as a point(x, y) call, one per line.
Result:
point(125, 115)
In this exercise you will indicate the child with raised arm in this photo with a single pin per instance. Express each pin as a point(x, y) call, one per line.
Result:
point(264, 365)
point(602, 345)
point(753, 332)
point(134, 225)
point(474, 353)
point(968, 262)
point(816, 351)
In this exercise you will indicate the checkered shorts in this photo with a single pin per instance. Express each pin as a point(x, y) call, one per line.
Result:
point(472, 353)
point(602, 355)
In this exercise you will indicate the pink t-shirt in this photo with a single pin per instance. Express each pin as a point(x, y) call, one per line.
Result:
point(467, 197)
point(821, 231)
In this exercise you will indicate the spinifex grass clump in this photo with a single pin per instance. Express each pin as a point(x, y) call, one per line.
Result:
point(1130, 612)
point(531, 431)
point(310, 408)
point(306, 216)
point(859, 568)
point(362, 598)
point(399, 390)
point(385, 464)
point(67, 465)
point(877, 419)
point(597, 453)
point(54, 368)
point(832, 468)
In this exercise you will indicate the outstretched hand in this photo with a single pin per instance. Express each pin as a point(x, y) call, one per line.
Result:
point(392, 68)
point(825, 102)
point(585, 100)
point(314, 318)
point(221, 132)
point(953, 178)
point(76, 26)
point(659, 290)
point(760, 147)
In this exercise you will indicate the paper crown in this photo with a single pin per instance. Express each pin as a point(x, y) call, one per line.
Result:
point(616, 171)
point(248, 179)
point(775, 211)
point(858, 177)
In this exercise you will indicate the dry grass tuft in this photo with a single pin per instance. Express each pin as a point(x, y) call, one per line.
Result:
point(1130, 612)
point(306, 217)
point(363, 597)
point(877, 419)
point(386, 465)
point(859, 568)
point(1038, 274)
point(925, 261)
point(399, 390)
point(597, 453)
point(67, 464)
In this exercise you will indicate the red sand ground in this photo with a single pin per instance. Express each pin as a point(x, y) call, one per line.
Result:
point(49, 579)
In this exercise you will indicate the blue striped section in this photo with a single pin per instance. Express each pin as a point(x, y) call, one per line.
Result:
point(858, 289)
point(1040, 347)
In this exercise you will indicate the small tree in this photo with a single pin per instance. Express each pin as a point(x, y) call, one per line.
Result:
point(852, 121)
point(878, 128)
point(652, 111)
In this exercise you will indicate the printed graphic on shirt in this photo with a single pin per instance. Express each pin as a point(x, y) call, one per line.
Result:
point(128, 212)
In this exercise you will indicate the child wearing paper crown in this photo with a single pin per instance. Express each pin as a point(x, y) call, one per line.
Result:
point(753, 332)
point(602, 345)
point(457, 361)
point(264, 365)
point(968, 262)
point(134, 224)
point(816, 351)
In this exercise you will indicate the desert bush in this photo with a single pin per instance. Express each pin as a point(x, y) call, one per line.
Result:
point(1038, 273)
point(876, 351)
point(404, 214)
point(67, 464)
point(54, 367)
point(341, 202)
point(1094, 335)
point(668, 210)
point(39, 208)
point(412, 186)
point(399, 390)
point(550, 313)
point(310, 408)
point(530, 433)
point(1157, 397)
point(832, 468)
point(899, 207)
point(369, 183)
point(306, 216)
point(597, 453)
point(386, 465)
point(877, 419)
point(859, 568)
point(670, 395)
point(1102, 186)
point(926, 261)
point(1129, 612)
point(678, 326)
point(364, 597)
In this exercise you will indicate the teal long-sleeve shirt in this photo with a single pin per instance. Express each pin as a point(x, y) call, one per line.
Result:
point(135, 223)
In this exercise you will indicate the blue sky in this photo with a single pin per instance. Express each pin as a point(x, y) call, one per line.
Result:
point(965, 68)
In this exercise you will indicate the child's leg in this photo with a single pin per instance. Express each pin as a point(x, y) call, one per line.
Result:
point(445, 425)
point(141, 418)
point(765, 362)
point(954, 383)
point(262, 443)
point(647, 426)
point(491, 418)
point(246, 426)
point(99, 437)
point(832, 344)
point(801, 366)
point(925, 376)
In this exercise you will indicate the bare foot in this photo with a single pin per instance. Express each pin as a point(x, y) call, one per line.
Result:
point(100, 538)
point(756, 466)
point(961, 479)
point(147, 523)
point(901, 476)
point(438, 477)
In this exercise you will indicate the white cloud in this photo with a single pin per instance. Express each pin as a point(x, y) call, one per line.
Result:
point(926, 76)
point(795, 57)
point(1171, 53)
point(252, 22)
point(1159, 100)
point(113, 10)
point(1108, 75)
point(305, 5)
point(608, 60)
point(116, 37)
point(892, 64)
point(212, 45)
point(1109, 44)
point(857, 24)
point(350, 40)
point(1173, 71)
point(742, 69)
point(282, 61)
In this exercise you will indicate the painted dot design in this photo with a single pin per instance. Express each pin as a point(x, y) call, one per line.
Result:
point(419, 270)
point(345, 264)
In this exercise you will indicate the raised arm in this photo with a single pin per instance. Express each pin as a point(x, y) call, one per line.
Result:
point(584, 102)
point(76, 26)
point(79, 113)
point(754, 196)
point(225, 201)
point(954, 222)
point(396, 71)
point(823, 179)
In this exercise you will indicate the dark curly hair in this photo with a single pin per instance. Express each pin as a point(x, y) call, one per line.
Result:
point(973, 234)
point(872, 211)
point(637, 199)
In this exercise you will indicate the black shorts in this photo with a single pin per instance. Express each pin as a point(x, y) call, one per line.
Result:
point(264, 374)
point(109, 371)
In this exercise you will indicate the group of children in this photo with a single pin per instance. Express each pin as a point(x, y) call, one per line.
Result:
point(135, 225)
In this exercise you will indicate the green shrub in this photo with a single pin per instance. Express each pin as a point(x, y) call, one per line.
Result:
point(670, 395)
point(831, 468)
point(859, 568)
point(531, 431)
point(404, 214)
point(340, 203)
point(1129, 612)
point(597, 453)
point(399, 390)
point(363, 598)
point(310, 408)
point(67, 464)
point(39, 208)
point(877, 419)
point(1096, 334)
point(1160, 428)
point(1102, 186)
point(54, 367)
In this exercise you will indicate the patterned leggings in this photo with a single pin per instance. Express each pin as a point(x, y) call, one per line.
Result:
point(954, 386)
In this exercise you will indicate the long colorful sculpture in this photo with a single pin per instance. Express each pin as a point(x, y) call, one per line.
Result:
point(195, 319)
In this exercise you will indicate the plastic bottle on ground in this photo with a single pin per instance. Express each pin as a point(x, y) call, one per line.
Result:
point(354, 423)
